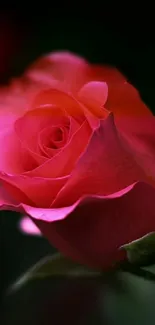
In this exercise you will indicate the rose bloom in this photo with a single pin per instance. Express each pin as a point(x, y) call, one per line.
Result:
point(78, 156)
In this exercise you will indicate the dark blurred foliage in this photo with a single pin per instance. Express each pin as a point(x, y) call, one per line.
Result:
point(104, 34)
point(11, 37)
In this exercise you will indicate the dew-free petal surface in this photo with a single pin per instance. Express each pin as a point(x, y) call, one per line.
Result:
point(106, 166)
point(92, 230)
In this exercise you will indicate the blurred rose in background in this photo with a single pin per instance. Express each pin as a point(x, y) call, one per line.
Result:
point(11, 37)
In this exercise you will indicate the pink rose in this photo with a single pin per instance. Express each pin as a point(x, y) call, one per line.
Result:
point(78, 156)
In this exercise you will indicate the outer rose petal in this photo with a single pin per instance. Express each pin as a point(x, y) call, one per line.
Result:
point(92, 230)
point(140, 134)
point(22, 91)
point(5, 199)
point(34, 191)
point(106, 166)
point(10, 159)
point(7, 117)
point(69, 68)
point(123, 98)
point(97, 228)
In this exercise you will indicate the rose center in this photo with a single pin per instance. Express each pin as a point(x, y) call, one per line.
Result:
point(51, 139)
point(56, 138)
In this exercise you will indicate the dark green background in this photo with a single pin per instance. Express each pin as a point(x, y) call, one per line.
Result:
point(127, 43)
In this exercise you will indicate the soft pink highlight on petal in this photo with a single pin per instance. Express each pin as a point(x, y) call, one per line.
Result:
point(94, 93)
point(27, 226)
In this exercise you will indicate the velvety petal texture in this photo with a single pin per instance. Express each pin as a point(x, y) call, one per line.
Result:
point(123, 98)
point(78, 157)
point(107, 166)
point(96, 229)
point(93, 230)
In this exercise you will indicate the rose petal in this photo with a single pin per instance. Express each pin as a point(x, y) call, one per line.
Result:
point(94, 95)
point(43, 72)
point(123, 98)
point(106, 166)
point(61, 100)
point(10, 160)
point(92, 230)
point(36, 191)
point(64, 66)
point(48, 143)
point(5, 199)
point(95, 230)
point(36, 120)
point(16, 98)
point(62, 163)
point(7, 117)
point(14, 192)
point(140, 134)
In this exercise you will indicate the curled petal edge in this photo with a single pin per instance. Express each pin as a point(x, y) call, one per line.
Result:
point(57, 214)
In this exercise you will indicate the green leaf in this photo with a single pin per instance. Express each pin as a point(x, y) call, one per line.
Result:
point(55, 265)
point(142, 250)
